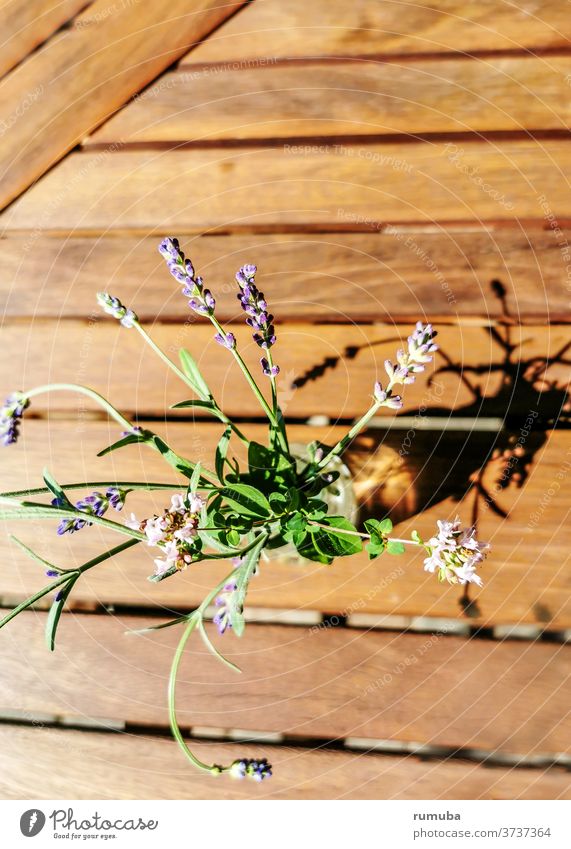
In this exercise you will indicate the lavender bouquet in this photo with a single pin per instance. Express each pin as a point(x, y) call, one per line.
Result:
point(227, 512)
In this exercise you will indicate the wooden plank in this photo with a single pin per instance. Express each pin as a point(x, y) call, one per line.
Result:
point(90, 72)
point(129, 766)
point(352, 277)
point(347, 99)
point(361, 28)
point(526, 576)
point(25, 25)
point(328, 683)
point(341, 362)
point(310, 186)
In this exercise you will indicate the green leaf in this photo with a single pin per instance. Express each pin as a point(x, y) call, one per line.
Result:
point(375, 549)
point(308, 550)
point(190, 368)
point(24, 605)
point(278, 502)
point(260, 458)
point(416, 537)
point(126, 440)
point(182, 405)
point(221, 452)
point(179, 620)
point(243, 576)
point(195, 480)
point(212, 648)
point(35, 556)
point(247, 499)
point(56, 489)
point(335, 543)
point(54, 615)
point(395, 547)
point(378, 528)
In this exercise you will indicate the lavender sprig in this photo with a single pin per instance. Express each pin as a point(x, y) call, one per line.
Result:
point(255, 306)
point(11, 414)
point(201, 300)
point(113, 306)
point(95, 504)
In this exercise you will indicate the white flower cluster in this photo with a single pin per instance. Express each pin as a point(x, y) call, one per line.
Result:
point(174, 532)
point(455, 554)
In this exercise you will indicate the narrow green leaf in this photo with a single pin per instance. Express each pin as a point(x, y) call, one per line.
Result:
point(56, 489)
point(56, 610)
point(179, 619)
point(243, 576)
point(126, 440)
point(182, 405)
point(24, 605)
point(212, 648)
point(35, 556)
point(190, 368)
point(221, 452)
point(195, 480)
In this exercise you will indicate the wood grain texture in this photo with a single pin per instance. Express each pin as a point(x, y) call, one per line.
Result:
point(25, 25)
point(361, 28)
point(310, 186)
point(335, 277)
point(328, 683)
point(85, 75)
point(121, 766)
point(526, 576)
point(347, 99)
point(340, 362)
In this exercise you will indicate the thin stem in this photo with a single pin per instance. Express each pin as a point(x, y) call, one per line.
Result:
point(90, 484)
point(248, 375)
point(33, 510)
point(83, 390)
point(217, 411)
point(343, 443)
point(343, 532)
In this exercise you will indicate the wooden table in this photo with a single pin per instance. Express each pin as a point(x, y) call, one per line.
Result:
point(380, 162)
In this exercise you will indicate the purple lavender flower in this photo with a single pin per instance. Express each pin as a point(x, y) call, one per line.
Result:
point(116, 497)
point(113, 306)
point(269, 370)
point(227, 340)
point(224, 601)
point(51, 573)
point(95, 504)
point(386, 398)
point(256, 768)
point(255, 306)
point(11, 414)
point(201, 300)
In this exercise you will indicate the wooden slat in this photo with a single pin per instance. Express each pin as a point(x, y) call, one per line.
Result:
point(87, 74)
point(356, 99)
point(526, 576)
point(349, 277)
point(339, 187)
point(340, 362)
point(24, 25)
point(330, 683)
point(354, 276)
point(114, 766)
point(362, 28)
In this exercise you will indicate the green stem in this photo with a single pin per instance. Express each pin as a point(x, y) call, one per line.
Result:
point(33, 510)
point(341, 531)
point(193, 620)
point(343, 443)
point(83, 390)
point(217, 411)
point(91, 484)
point(248, 375)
